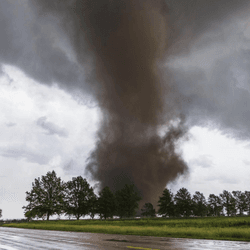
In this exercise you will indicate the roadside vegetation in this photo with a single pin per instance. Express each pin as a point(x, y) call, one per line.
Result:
point(218, 228)
point(76, 199)
point(220, 216)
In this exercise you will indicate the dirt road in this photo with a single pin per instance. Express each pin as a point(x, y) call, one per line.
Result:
point(15, 239)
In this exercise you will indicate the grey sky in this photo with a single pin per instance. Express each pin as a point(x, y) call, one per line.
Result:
point(50, 127)
point(45, 124)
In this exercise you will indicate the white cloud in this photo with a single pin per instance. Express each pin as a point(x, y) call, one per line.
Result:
point(50, 127)
point(26, 152)
point(226, 157)
point(204, 161)
point(21, 152)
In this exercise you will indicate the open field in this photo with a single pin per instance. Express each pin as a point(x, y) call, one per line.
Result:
point(220, 228)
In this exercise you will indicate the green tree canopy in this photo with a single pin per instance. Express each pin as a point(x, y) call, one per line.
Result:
point(78, 197)
point(166, 204)
point(199, 204)
point(215, 205)
point(183, 202)
point(106, 203)
point(148, 210)
point(93, 204)
point(127, 200)
point(228, 202)
point(46, 196)
point(241, 202)
point(247, 195)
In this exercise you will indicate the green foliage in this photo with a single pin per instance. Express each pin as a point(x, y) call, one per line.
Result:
point(228, 201)
point(166, 204)
point(183, 202)
point(32, 214)
point(148, 210)
point(46, 196)
point(93, 204)
point(127, 201)
point(106, 203)
point(215, 206)
point(50, 196)
point(78, 198)
point(199, 204)
point(241, 202)
point(247, 194)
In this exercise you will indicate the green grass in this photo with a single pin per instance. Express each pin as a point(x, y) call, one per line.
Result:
point(222, 228)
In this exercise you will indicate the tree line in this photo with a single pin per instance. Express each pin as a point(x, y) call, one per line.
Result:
point(51, 196)
point(183, 204)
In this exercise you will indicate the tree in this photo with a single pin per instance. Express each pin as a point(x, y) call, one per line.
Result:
point(228, 202)
point(46, 196)
point(166, 204)
point(0, 213)
point(93, 204)
point(78, 197)
point(183, 202)
point(199, 204)
point(30, 214)
point(148, 210)
point(247, 195)
point(241, 203)
point(215, 205)
point(127, 201)
point(106, 203)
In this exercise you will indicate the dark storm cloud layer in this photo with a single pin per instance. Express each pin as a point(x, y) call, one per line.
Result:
point(115, 50)
point(125, 41)
point(31, 44)
point(219, 102)
point(188, 20)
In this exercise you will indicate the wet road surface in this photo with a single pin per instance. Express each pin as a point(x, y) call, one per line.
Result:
point(15, 238)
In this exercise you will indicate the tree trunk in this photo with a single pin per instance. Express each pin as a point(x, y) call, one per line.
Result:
point(48, 216)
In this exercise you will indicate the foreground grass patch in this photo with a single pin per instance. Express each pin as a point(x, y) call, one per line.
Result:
point(234, 228)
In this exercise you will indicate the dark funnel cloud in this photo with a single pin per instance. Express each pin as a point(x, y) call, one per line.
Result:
point(128, 55)
point(123, 44)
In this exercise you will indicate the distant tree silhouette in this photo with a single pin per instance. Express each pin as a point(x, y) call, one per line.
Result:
point(228, 202)
point(106, 203)
point(247, 195)
point(78, 197)
point(93, 204)
point(50, 196)
point(241, 203)
point(46, 196)
point(1, 213)
point(166, 204)
point(215, 206)
point(199, 204)
point(148, 210)
point(183, 202)
point(127, 201)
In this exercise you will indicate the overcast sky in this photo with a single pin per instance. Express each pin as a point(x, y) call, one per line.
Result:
point(49, 121)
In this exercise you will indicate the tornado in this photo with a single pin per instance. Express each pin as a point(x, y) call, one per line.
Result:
point(122, 46)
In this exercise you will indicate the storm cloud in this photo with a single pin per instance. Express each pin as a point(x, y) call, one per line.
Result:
point(142, 63)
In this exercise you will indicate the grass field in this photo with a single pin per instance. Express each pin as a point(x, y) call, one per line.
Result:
point(220, 228)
